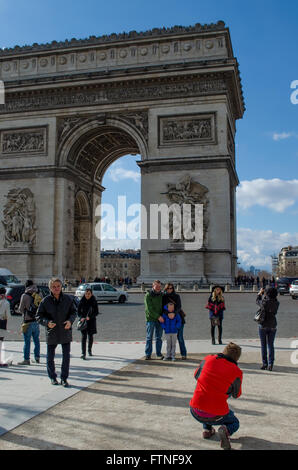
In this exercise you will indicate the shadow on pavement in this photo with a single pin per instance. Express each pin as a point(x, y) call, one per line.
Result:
point(254, 443)
point(32, 443)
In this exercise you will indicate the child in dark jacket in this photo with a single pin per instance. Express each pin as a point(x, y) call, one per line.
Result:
point(171, 325)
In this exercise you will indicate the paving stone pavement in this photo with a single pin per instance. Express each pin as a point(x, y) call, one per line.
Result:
point(119, 401)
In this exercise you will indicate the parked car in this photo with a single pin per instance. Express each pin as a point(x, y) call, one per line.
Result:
point(14, 294)
point(294, 289)
point(7, 278)
point(103, 292)
point(283, 285)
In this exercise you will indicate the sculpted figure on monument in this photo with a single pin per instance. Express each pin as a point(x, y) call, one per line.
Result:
point(187, 191)
point(19, 217)
point(187, 129)
point(19, 142)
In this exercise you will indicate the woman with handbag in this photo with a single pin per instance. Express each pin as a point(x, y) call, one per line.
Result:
point(268, 303)
point(4, 312)
point(216, 307)
point(88, 310)
point(170, 296)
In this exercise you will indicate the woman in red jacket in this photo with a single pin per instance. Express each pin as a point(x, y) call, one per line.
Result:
point(218, 377)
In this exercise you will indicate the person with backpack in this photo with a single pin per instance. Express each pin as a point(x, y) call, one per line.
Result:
point(268, 303)
point(28, 307)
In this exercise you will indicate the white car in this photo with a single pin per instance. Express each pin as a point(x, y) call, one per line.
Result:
point(294, 289)
point(102, 292)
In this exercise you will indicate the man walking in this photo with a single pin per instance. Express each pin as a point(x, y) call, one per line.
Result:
point(28, 308)
point(153, 311)
point(57, 312)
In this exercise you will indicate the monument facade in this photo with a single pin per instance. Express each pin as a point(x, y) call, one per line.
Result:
point(72, 108)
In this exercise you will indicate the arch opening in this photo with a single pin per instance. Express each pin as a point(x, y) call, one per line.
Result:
point(95, 158)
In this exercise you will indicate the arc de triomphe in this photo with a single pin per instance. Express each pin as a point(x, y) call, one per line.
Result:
point(72, 108)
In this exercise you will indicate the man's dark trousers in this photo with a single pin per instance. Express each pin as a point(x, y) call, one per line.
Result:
point(65, 361)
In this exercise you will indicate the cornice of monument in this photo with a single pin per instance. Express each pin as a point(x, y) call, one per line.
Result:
point(125, 90)
point(112, 38)
point(108, 60)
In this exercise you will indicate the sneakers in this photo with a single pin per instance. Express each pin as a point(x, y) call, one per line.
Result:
point(147, 358)
point(208, 434)
point(167, 359)
point(25, 362)
point(183, 358)
point(161, 357)
point(65, 383)
point(54, 382)
point(224, 438)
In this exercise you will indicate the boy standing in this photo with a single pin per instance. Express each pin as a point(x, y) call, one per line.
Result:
point(171, 325)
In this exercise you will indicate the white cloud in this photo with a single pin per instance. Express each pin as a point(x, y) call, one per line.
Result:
point(275, 194)
point(118, 174)
point(255, 247)
point(282, 136)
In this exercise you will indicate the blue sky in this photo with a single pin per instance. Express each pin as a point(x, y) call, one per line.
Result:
point(264, 38)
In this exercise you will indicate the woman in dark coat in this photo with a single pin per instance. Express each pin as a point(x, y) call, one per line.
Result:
point(171, 296)
point(216, 307)
point(88, 309)
point(268, 303)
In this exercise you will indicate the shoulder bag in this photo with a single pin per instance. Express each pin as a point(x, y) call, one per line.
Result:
point(82, 324)
point(260, 316)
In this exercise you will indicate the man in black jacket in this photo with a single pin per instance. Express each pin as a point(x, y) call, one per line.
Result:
point(57, 312)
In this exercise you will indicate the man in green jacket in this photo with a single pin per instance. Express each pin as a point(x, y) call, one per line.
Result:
point(153, 310)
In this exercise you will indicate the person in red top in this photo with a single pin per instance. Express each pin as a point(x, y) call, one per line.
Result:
point(218, 378)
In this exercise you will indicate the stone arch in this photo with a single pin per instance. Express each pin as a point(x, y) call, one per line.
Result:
point(109, 139)
point(82, 235)
point(87, 150)
point(171, 95)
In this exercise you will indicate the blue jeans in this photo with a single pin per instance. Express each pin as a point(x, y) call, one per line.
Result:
point(229, 420)
point(183, 351)
point(152, 326)
point(267, 336)
point(32, 330)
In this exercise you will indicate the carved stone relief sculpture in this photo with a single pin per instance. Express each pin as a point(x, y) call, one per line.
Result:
point(187, 129)
point(19, 217)
point(20, 141)
point(187, 191)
